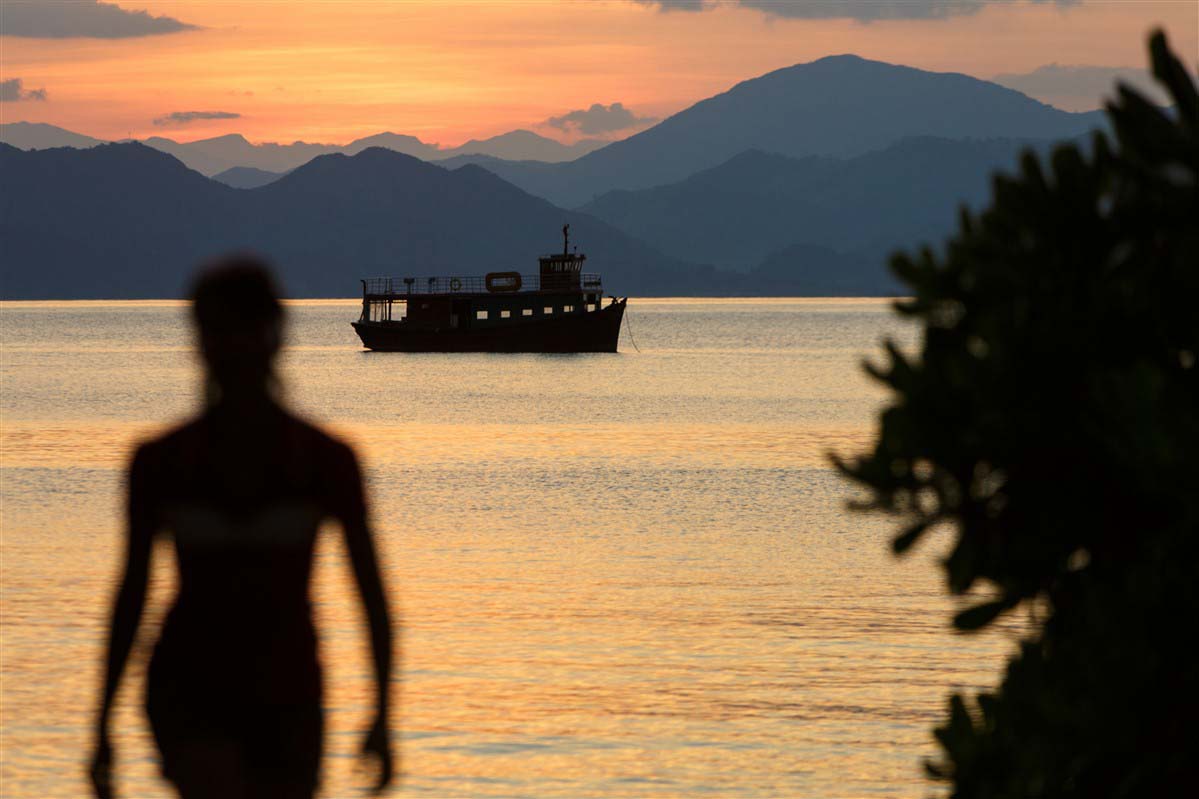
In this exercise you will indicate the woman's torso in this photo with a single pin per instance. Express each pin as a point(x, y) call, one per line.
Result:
point(243, 500)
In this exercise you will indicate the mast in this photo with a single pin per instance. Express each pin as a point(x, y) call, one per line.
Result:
point(566, 239)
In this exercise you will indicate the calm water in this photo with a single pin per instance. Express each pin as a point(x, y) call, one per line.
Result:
point(619, 575)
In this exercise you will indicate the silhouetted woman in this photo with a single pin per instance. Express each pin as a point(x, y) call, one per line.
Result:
point(234, 687)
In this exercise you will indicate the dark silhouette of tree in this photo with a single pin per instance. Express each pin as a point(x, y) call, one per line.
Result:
point(1052, 419)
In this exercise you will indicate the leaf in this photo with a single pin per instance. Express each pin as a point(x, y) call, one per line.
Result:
point(1170, 71)
point(903, 542)
point(980, 615)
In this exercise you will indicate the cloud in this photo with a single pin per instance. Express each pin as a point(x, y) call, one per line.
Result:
point(187, 117)
point(12, 92)
point(68, 19)
point(599, 118)
point(1079, 87)
point(860, 10)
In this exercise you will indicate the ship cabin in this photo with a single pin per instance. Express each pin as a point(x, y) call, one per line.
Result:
point(560, 289)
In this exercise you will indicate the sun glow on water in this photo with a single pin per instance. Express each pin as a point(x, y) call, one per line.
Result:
point(618, 575)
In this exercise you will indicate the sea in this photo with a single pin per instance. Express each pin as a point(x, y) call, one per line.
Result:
point(617, 575)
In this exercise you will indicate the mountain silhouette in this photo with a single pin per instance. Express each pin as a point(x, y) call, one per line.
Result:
point(246, 177)
point(400, 143)
point(225, 152)
point(40, 136)
point(219, 154)
point(835, 162)
point(127, 221)
point(109, 221)
point(837, 106)
point(752, 206)
point(824, 272)
point(524, 170)
point(523, 145)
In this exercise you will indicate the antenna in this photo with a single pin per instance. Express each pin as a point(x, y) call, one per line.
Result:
point(566, 239)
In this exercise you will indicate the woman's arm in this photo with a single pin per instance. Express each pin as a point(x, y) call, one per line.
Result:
point(126, 612)
point(361, 547)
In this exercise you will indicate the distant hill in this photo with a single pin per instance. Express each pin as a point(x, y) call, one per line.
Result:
point(396, 142)
point(516, 145)
point(810, 269)
point(40, 136)
point(532, 176)
point(523, 145)
point(66, 233)
point(757, 204)
point(800, 182)
point(220, 154)
point(225, 152)
point(839, 106)
point(246, 177)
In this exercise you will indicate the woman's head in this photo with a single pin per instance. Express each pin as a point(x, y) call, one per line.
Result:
point(239, 319)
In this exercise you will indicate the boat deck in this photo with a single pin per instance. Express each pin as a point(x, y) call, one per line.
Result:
point(398, 288)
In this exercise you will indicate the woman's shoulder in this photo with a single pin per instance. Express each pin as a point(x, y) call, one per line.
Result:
point(299, 445)
point(168, 443)
point(334, 464)
point(318, 440)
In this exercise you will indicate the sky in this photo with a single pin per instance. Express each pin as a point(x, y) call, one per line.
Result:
point(332, 71)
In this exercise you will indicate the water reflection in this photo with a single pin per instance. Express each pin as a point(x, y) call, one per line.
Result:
point(629, 575)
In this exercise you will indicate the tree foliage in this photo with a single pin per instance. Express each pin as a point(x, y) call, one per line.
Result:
point(1052, 418)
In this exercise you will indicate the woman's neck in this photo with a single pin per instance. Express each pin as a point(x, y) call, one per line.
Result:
point(243, 401)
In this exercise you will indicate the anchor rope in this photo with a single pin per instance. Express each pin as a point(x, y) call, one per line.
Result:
point(629, 329)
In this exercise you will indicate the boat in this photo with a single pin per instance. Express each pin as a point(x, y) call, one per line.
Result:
point(560, 309)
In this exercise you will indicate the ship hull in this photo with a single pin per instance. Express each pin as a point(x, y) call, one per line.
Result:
point(598, 331)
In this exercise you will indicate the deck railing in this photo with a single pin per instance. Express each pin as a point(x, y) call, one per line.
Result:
point(400, 287)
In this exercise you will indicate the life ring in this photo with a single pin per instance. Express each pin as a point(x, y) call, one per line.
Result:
point(455, 284)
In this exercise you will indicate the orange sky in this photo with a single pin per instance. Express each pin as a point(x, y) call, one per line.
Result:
point(333, 71)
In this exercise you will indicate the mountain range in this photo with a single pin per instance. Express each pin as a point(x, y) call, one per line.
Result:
point(761, 223)
point(221, 153)
point(40, 136)
point(739, 213)
point(839, 106)
point(124, 220)
point(246, 177)
point(797, 182)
